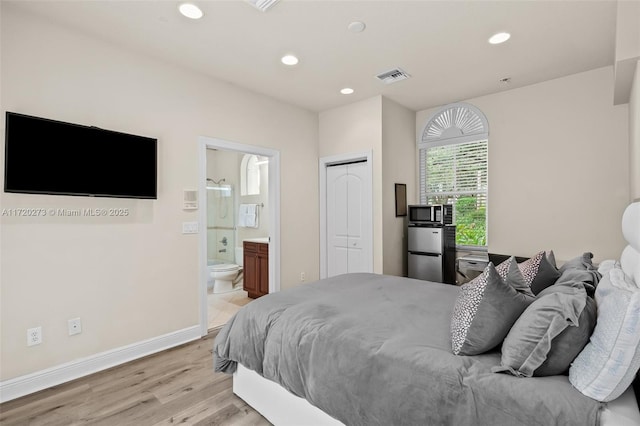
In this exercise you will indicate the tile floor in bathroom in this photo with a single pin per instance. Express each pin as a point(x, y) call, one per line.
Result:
point(223, 306)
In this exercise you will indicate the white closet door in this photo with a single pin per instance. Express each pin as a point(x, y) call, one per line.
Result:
point(347, 243)
point(355, 218)
point(337, 221)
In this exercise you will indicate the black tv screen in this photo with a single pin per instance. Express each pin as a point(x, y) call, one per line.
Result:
point(45, 156)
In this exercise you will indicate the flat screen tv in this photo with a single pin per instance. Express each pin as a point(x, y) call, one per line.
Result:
point(45, 156)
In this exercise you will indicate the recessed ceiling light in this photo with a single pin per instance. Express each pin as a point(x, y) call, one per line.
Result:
point(346, 91)
point(289, 60)
point(499, 38)
point(357, 27)
point(190, 10)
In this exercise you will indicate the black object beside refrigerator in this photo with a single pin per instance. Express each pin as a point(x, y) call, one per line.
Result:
point(432, 252)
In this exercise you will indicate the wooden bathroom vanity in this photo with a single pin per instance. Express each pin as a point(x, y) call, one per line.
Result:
point(256, 268)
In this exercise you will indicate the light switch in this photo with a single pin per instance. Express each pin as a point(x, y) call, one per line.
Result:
point(189, 227)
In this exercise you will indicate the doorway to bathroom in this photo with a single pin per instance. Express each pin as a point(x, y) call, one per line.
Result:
point(239, 208)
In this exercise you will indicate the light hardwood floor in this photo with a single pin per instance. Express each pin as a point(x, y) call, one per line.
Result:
point(177, 386)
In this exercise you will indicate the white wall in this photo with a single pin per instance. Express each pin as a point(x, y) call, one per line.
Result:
point(634, 137)
point(132, 278)
point(627, 30)
point(558, 166)
point(627, 50)
point(357, 127)
point(386, 128)
point(398, 166)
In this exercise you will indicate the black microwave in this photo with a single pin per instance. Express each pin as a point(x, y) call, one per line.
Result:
point(438, 213)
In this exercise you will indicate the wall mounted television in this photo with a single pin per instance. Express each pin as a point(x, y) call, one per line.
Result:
point(45, 156)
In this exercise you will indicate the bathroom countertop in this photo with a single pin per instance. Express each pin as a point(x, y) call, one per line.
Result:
point(263, 240)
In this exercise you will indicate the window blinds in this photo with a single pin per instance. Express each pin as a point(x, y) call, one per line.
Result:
point(448, 171)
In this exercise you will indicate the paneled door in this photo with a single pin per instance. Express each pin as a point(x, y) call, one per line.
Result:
point(348, 244)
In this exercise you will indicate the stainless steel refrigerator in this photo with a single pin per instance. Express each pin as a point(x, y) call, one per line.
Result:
point(432, 252)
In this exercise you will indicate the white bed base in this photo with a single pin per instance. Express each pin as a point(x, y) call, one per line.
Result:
point(275, 403)
point(622, 411)
point(282, 408)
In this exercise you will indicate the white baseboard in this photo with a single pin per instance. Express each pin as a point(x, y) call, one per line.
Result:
point(33, 382)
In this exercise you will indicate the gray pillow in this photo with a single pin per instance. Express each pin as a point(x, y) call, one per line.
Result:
point(550, 333)
point(581, 269)
point(580, 262)
point(484, 311)
point(539, 272)
point(552, 258)
point(568, 345)
point(588, 277)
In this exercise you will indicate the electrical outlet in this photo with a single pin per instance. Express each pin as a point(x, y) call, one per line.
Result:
point(75, 326)
point(302, 277)
point(34, 336)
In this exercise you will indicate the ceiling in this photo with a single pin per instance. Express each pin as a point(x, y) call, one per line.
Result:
point(441, 44)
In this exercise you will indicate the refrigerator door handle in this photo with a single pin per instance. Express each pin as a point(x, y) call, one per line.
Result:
point(420, 253)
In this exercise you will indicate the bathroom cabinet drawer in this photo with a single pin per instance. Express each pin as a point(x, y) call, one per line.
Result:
point(256, 268)
point(250, 247)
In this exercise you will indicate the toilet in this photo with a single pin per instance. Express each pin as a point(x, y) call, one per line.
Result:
point(224, 275)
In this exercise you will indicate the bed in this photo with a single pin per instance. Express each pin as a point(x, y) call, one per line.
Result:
point(367, 349)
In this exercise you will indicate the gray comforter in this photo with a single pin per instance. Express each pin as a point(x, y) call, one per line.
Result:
point(375, 350)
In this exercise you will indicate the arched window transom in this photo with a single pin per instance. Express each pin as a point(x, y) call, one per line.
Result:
point(456, 123)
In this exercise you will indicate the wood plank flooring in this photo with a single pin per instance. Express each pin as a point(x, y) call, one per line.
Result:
point(177, 386)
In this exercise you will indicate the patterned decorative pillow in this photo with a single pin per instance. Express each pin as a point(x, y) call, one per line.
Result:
point(485, 310)
point(550, 333)
point(539, 272)
point(511, 273)
point(608, 364)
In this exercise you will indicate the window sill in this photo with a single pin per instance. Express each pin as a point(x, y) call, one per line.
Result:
point(483, 249)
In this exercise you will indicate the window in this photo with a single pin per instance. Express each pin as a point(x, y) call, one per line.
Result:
point(249, 175)
point(454, 169)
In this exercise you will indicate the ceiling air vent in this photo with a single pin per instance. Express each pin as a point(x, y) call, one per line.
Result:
point(393, 76)
point(262, 5)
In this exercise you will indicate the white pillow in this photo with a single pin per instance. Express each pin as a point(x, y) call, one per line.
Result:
point(631, 225)
point(608, 364)
point(630, 261)
point(605, 266)
point(630, 258)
